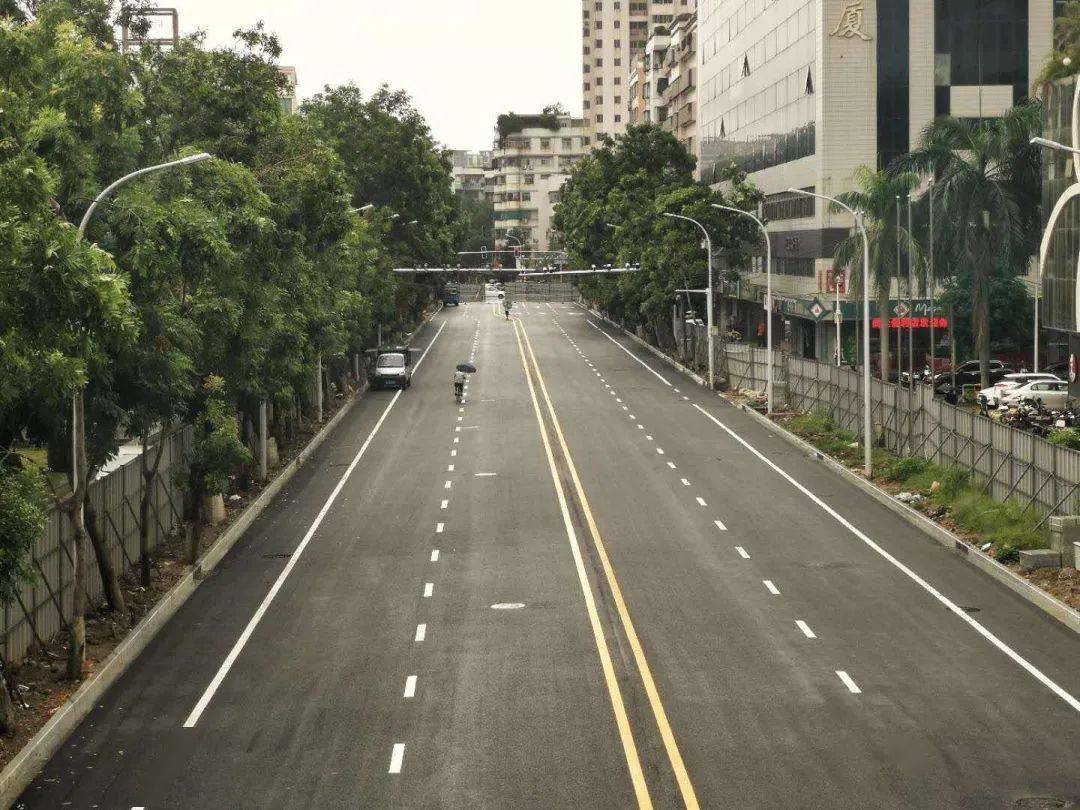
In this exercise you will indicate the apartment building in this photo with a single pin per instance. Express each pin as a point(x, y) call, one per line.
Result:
point(661, 86)
point(800, 93)
point(468, 169)
point(613, 33)
point(532, 158)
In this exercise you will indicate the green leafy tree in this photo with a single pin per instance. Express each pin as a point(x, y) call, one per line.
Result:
point(391, 160)
point(876, 197)
point(217, 454)
point(629, 183)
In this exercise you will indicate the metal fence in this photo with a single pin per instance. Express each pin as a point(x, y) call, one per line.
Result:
point(41, 609)
point(541, 290)
point(1010, 464)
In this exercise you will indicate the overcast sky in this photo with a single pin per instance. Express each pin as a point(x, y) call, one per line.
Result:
point(462, 61)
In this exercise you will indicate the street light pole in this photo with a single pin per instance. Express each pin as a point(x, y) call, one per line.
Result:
point(79, 484)
point(708, 294)
point(768, 303)
point(867, 464)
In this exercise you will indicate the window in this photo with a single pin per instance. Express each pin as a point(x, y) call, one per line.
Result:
point(599, 43)
point(789, 206)
point(545, 143)
point(745, 66)
point(567, 143)
point(618, 43)
point(618, 99)
point(618, 118)
point(618, 61)
point(618, 80)
point(599, 62)
point(599, 118)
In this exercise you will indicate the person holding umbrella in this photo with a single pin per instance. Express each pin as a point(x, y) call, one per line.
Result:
point(460, 376)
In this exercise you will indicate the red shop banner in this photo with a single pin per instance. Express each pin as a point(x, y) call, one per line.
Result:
point(913, 323)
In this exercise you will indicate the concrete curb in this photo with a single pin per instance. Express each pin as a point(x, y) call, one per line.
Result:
point(1014, 582)
point(27, 764)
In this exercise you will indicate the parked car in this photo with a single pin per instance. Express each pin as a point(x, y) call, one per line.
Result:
point(968, 374)
point(992, 395)
point(1052, 394)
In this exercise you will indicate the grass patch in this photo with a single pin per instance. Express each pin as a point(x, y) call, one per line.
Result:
point(1004, 525)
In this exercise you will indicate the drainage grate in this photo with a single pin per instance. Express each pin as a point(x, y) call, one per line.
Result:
point(277, 556)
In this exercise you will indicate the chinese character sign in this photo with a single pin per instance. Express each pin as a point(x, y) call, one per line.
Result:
point(851, 22)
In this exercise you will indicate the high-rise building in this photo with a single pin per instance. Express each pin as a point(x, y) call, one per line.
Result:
point(613, 33)
point(287, 95)
point(801, 93)
point(532, 158)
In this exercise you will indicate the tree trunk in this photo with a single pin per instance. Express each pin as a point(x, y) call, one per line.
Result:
point(980, 315)
point(79, 550)
point(149, 475)
point(883, 329)
point(7, 706)
point(109, 580)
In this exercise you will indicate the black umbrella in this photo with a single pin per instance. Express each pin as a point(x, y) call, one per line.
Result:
point(468, 368)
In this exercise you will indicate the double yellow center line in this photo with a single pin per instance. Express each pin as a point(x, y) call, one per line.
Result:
point(622, 722)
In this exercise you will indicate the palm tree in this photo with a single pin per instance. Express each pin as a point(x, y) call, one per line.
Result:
point(876, 199)
point(987, 189)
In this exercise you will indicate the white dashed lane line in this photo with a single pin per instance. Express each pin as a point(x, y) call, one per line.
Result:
point(444, 504)
point(434, 555)
point(720, 525)
point(701, 501)
point(429, 588)
point(768, 583)
point(742, 552)
point(806, 631)
point(439, 528)
point(421, 632)
point(685, 482)
point(397, 757)
point(410, 686)
point(848, 682)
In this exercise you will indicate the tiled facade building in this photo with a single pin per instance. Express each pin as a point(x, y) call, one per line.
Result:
point(800, 93)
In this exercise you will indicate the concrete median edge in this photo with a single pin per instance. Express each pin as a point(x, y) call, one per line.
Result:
point(988, 565)
point(28, 763)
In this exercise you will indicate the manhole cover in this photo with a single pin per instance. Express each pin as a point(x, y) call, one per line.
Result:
point(508, 606)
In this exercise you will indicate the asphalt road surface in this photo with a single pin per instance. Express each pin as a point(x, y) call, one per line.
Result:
point(590, 584)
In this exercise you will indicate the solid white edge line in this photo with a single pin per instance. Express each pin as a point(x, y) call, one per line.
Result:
point(848, 682)
point(806, 631)
point(1032, 670)
point(397, 756)
point(628, 352)
point(770, 587)
point(234, 653)
point(410, 686)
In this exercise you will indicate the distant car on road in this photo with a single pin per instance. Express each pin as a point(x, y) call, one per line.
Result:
point(451, 296)
point(992, 395)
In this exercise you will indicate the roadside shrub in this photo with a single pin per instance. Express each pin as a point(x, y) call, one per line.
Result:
point(901, 469)
point(1066, 437)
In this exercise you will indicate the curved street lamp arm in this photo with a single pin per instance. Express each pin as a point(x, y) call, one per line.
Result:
point(186, 161)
